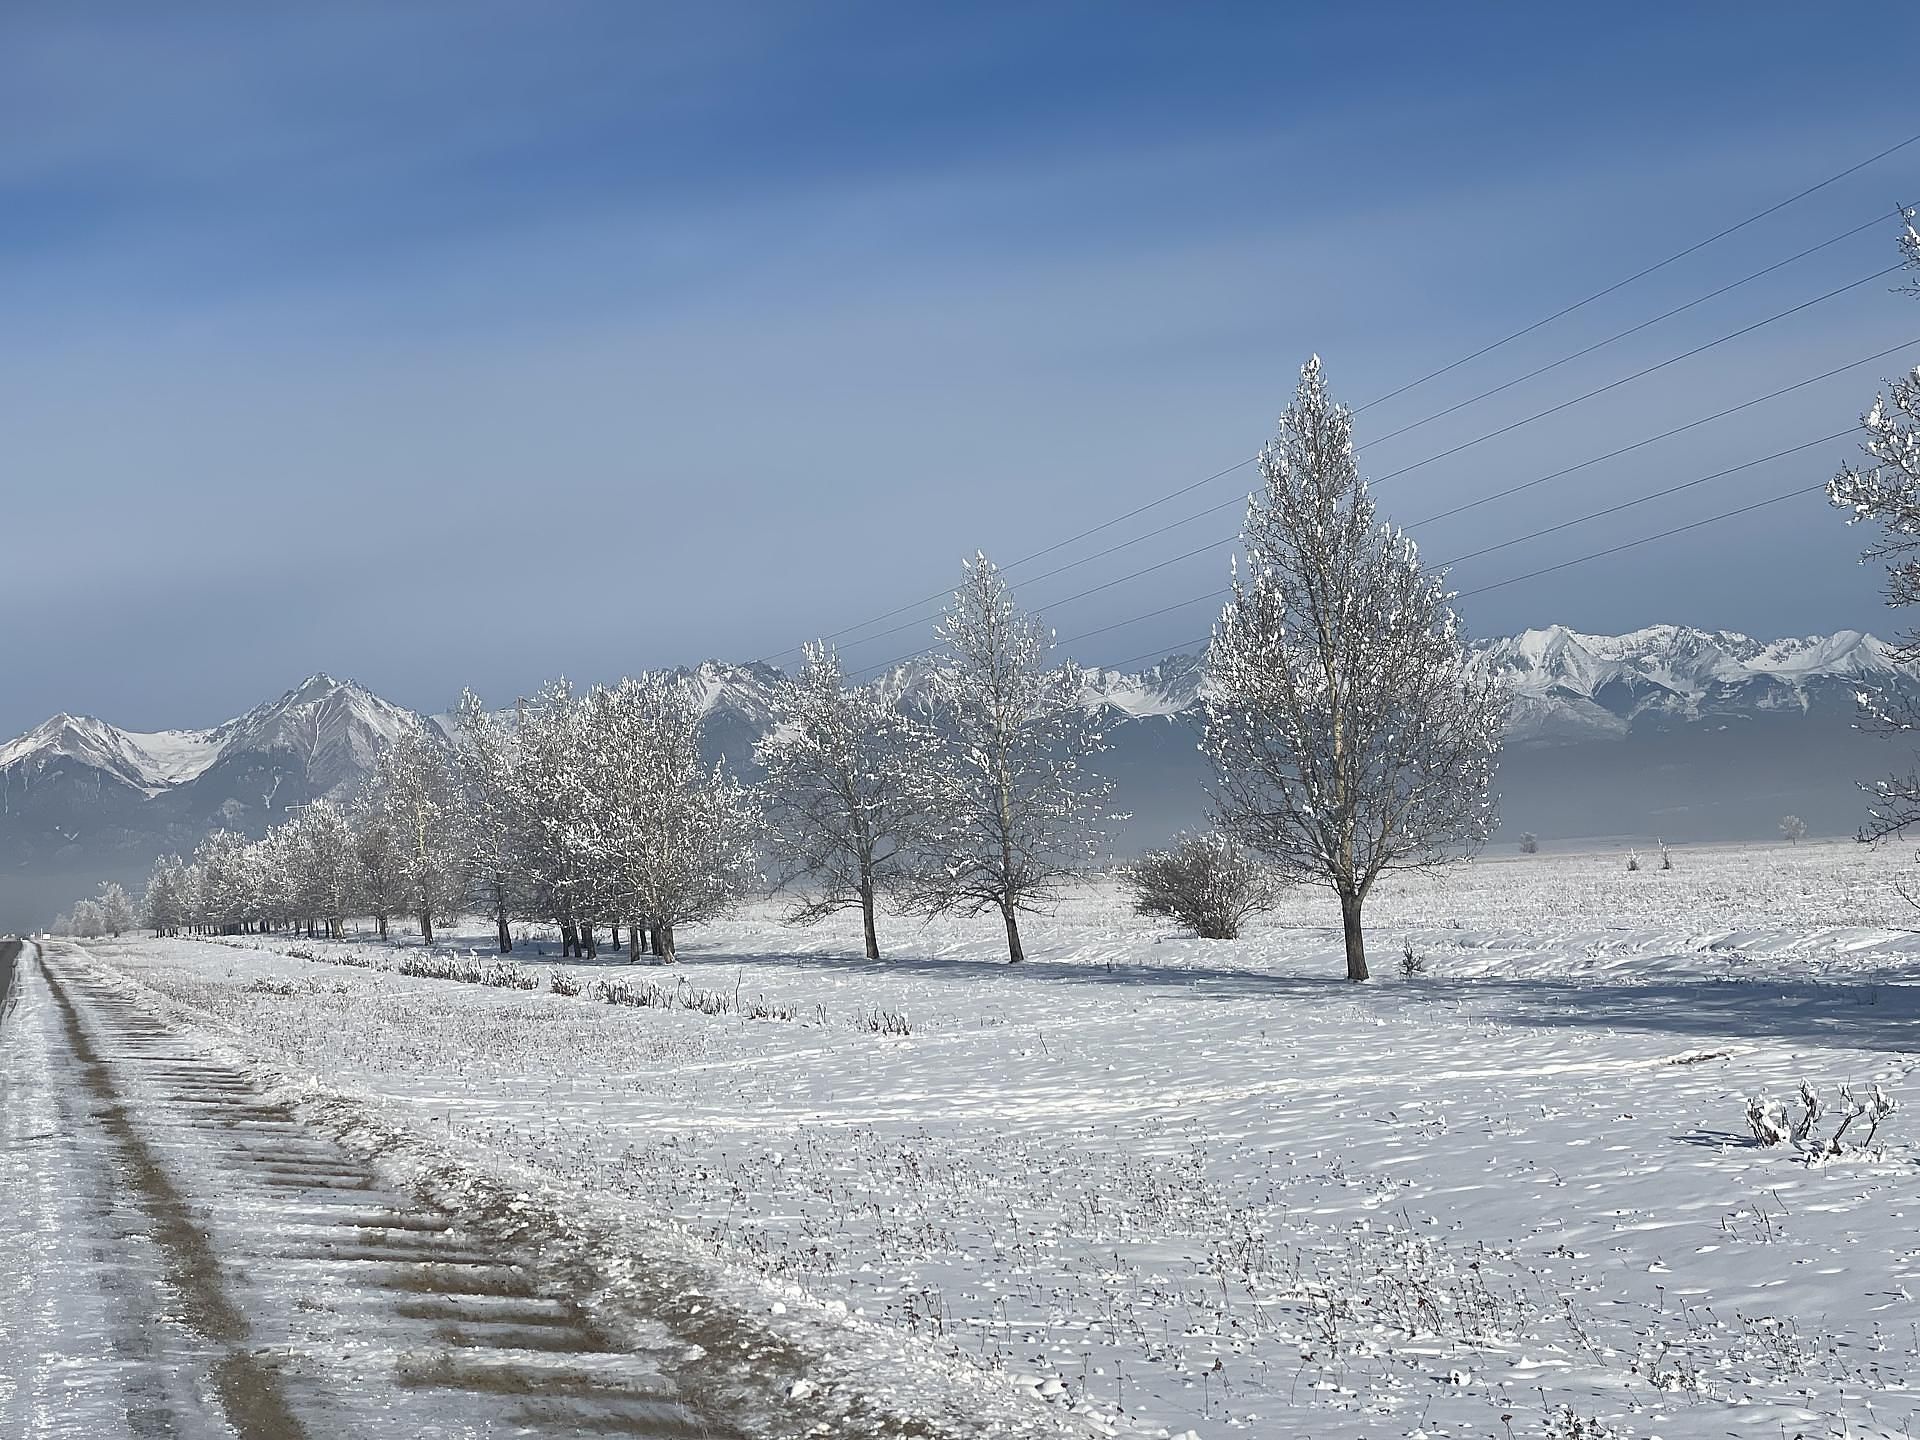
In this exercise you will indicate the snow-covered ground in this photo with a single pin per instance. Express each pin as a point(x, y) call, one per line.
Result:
point(1164, 1185)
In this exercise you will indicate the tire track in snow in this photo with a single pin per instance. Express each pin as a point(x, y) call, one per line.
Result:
point(249, 1392)
point(291, 1297)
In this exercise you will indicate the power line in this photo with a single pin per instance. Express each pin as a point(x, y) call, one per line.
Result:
point(1067, 600)
point(1434, 374)
point(1640, 374)
point(1223, 592)
point(1623, 334)
point(1669, 434)
point(938, 596)
point(1645, 540)
point(1442, 515)
point(1161, 653)
point(1645, 499)
point(921, 619)
point(1605, 291)
point(941, 595)
point(920, 605)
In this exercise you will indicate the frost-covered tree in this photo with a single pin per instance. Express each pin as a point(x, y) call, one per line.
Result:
point(116, 910)
point(87, 922)
point(1011, 808)
point(841, 808)
point(164, 905)
point(555, 854)
point(672, 837)
point(317, 846)
point(227, 892)
point(1887, 490)
point(485, 761)
point(382, 871)
point(1348, 734)
point(1793, 829)
point(1208, 883)
point(413, 788)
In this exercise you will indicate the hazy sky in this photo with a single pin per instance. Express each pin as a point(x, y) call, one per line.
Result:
point(469, 344)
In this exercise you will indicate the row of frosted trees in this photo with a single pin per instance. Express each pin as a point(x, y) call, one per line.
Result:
point(580, 809)
point(110, 912)
point(596, 812)
point(1348, 732)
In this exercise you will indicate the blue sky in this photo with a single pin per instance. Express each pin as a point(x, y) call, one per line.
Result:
point(472, 344)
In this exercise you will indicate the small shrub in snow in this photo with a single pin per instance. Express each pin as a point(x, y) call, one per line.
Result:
point(882, 1022)
point(1793, 829)
point(1633, 859)
point(469, 970)
point(561, 983)
point(1666, 856)
point(1772, 1125)
point(1205, 882)
point(637, 994)
point(281, 988)
point(507, 976)
point(1566, 1424)
point(1529, 844)
point(648, 995)
point(1412, 963)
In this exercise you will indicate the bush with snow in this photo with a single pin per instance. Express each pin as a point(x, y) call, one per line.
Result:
point(470, 970)
point(1771, 1123)
point(649, 995)
point(1567, 1424)
point(1207, 883)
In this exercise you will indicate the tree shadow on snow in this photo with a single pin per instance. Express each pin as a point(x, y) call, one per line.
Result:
point(1210, 981)
point(1855, 1016)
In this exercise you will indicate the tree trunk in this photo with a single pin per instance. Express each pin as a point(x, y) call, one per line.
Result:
point(665, 932)
point(380, 922)
point(1356, 942)
point(426, 927)
point(633, 943)
point(1015, 954)
point(866, 916)
point(655, 943)
point(569, 940)
point(613, 935)
point(506, 936)
point(589, 942)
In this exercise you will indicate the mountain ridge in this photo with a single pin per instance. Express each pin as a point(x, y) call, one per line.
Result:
point(1685, 732)
point(1673, 671)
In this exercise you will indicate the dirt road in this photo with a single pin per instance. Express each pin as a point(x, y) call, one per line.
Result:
point(184, 1259)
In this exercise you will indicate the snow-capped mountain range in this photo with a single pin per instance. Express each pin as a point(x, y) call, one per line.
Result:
point(333, 728)
point(1568, 687)
point(81, 799)
point(1666, 730)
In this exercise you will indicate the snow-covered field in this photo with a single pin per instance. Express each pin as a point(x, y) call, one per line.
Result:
point(1159, 1185)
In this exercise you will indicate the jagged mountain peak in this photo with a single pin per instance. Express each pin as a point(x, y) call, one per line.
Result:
point(334, 728)
point(141, 760)
point(331, 728)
